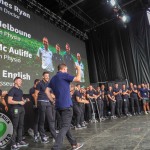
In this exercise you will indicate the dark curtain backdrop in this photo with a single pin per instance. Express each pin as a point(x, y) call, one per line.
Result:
point(118, 53)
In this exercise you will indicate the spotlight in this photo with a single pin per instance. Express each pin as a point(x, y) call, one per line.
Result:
point(112, 2)
point(125, 18)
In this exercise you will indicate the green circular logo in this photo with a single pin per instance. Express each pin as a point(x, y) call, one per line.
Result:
point(3, 128)
point(6, 130)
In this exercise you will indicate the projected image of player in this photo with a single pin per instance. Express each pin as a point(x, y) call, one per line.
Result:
point(79, 63)
point(57, 58)
point(68, 60)
point(45, 54)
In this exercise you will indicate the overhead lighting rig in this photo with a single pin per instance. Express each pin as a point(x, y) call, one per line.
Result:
point(119, 13)
point(39, 9)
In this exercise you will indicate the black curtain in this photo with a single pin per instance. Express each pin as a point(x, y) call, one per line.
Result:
point(117, 53)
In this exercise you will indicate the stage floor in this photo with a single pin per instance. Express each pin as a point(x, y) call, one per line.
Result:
point(121, 134)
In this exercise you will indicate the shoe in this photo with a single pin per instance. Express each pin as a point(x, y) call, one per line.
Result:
point(45, 136)
point(115, 117)
point(22, 144)
point(53, 140)
point(83, 125)
point(36, 139)
point(23, 138)
point(57, 131)
point(14, 147)
point(30, 132)
point(103, 119)
point(146, 113)
point(44, 140)
point(78, 126)
point(78, 146)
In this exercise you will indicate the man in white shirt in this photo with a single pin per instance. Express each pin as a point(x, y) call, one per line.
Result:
point(79, 63)
point(46, 55)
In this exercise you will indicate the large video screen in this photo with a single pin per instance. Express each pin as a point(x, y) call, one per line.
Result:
point(30, 45)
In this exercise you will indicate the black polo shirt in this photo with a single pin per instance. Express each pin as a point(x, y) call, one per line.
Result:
point(90, 92)
point(32, 91)
point(41, 87)
point(117, 97)
point(126, 96)
point(75, 94)
point(133, 94)
point(110, 93)
point(16, 93)
point(98, 93)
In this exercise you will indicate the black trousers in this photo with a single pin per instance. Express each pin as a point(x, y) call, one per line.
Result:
point(36, 121)
point(126, 105)
point(46, 110)
point(79, 114)
point(100, 106)
point(112, 107)
point(17, 117)
point(58, 121)
point(66, 117)
point(88, 112)
point(135, 102)
point(119, 107)
point(105, 110)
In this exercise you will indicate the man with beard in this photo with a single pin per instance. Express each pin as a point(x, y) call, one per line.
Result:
point(80, 63)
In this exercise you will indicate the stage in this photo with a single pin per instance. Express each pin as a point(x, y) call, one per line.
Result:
point(120, 134)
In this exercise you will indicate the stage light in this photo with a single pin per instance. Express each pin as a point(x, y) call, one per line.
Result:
point(124, 18)
point(112, 2)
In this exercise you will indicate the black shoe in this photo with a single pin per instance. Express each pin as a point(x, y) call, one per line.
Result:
point(22, 144)
point(14, 147)
point(44, 140)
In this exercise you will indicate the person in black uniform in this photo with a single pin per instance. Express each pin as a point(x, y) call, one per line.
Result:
point(16, 101)
point(68, 60)
point(105, 100)
point(35, 109)
point(90, 96)
point(77, 100)
point(117, 93)
point(57, 58)
point(45, 108)
point(134, 99)
point(125, 97)
point(100, 103)
point(112, 101)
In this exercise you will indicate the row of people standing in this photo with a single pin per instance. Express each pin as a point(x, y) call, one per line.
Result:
point(119, 100)
point(116, 101)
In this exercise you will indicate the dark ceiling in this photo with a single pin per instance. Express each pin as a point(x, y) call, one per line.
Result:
point(86, 14)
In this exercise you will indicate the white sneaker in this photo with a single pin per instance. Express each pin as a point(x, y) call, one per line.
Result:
point(146, 113)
